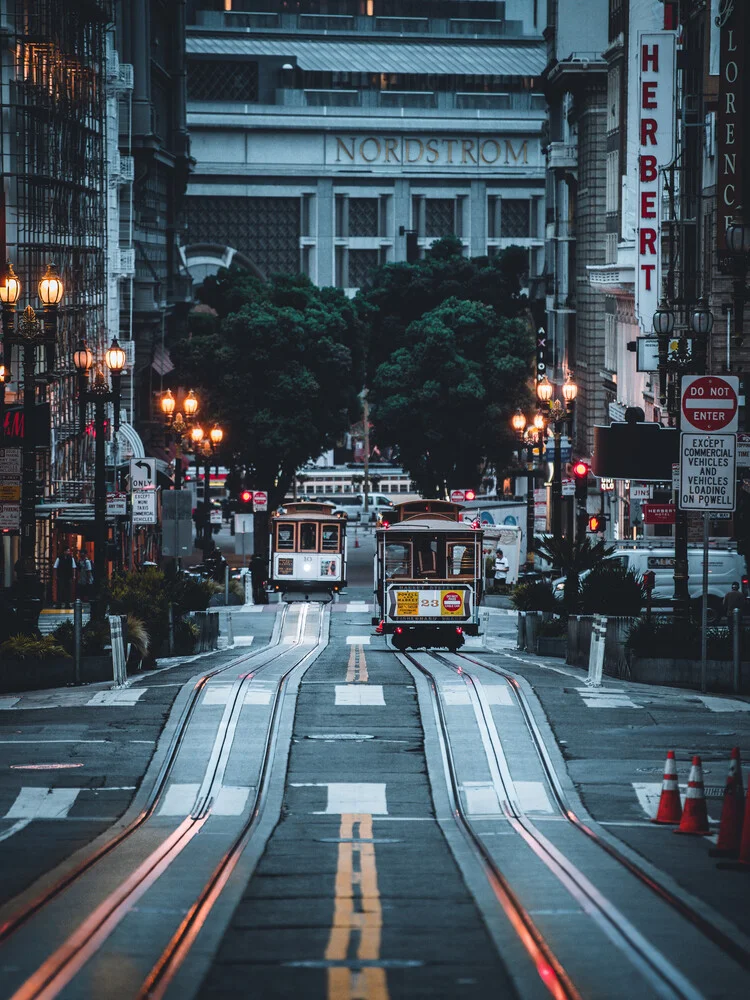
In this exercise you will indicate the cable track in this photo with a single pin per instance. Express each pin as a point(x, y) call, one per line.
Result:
point(723, 941)
point(67, 960)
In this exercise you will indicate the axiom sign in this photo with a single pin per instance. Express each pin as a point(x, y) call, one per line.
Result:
point(401, 151)
point(729, 132)
point(656, 150)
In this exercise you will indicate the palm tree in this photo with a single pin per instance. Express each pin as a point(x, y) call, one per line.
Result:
point(572, 558)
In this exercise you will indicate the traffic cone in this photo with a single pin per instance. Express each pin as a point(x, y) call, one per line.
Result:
point(670, 807)
point(694, 816)
point(730, 828)
point(743, 861)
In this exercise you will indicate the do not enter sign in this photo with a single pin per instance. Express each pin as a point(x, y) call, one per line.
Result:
point(709, 403)
point(452, 602)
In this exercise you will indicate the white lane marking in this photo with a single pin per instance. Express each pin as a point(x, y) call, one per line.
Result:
point(357, 798)
point(649, 793)
point(532, 797)
point(481, 798)
point(128, 696)
point(473, 642)
point(42, 803)
point(455, 694)
point(724, 704)
point(606, 698)
point(258, 696)
point(254, 609)
point(243, 640)
point(358, 640)
point(37, 742)
point(359, 694)
point(21, 824)
point(8, 701)
point(216, 694)
point(354, 606)
point(230, 801)
point(179, 800)
point(498, 694)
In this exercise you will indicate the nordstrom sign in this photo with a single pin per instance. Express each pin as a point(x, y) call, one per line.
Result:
point(400, 151)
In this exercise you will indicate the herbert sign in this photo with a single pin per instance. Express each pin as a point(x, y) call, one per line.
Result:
point(707, 472)
point(710, 403)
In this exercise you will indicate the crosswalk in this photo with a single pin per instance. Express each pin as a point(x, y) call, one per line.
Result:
point(49, 620)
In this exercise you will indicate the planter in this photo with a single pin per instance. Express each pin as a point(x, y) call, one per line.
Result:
point(579, 644)
point(687, 673)
point(35, 675)
point(551, 645)
point(528, 623)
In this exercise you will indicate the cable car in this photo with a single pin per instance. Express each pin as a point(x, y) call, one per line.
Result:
point(307, 551)
point(428, 575)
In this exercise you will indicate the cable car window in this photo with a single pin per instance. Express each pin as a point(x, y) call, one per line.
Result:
point(397, 559)
point(285, 537)
point(308, 537)
point(460, 559)
point(427, 558)
point(330, 537)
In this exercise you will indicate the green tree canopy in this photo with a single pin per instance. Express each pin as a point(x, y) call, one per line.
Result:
point(445, 397)
point(281, 366)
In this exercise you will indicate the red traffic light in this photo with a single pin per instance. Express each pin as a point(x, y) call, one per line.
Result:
point(596, 523)
point(470, 495)
point(246, 496)
point(581, 470)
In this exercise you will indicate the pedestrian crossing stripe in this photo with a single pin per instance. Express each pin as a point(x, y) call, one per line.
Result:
point(359, 694)
point(606, 698)
point(107, 699)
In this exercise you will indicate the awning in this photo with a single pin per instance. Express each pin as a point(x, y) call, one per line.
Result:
point(384, 57)
point(132, 438)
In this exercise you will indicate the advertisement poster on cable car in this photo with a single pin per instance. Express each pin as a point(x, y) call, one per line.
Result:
point(422, 602)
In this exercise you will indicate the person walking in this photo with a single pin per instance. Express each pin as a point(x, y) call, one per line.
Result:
point(65, 567)
point(85, 576)
point(734, 599)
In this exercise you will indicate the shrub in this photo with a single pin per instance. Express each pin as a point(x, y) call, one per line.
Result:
point(186, 632)
point(137, 635)
point(94, 637)
point(537, 596)
point(552, 629)
point(665, 638)
point(31, 647)
point(611, 590)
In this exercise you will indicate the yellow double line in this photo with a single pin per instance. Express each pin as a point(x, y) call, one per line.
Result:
point(356, 927)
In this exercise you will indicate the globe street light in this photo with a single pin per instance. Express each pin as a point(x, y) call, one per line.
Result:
point(559, 413)
point(178, 424)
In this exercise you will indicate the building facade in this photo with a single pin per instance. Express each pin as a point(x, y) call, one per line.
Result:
point(330, 139)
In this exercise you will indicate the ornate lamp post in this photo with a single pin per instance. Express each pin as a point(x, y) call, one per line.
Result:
point(29, 334)
point(559, 413)
point(99, 394)
point(178, 423)
point(738, 243)
point(205, 447)
point(518, 423)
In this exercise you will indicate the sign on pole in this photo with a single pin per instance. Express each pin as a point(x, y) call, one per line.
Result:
point(142, 474)
point(641, 491)
point(216, 517)
point(457, 496)
point(710, 403)
point(10, 477)
point(659, 513)
point(144, 507)
point(568, 487)
point(117, 504)
point(707, 472)
point(260, 500)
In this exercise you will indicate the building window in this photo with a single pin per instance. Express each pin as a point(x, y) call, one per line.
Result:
point(384, 223)
point(493, 217)
point(515, 218)
point(610, 351)
point(612, 170)
point(361, 263)
point(342, 216)
point(306, 220)
point(363, 217)
point(439, 217)
point(341, 277)
point(267, 230)
point(222, 80)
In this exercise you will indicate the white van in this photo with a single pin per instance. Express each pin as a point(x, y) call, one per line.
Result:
point(353, 505)
point(725, 567)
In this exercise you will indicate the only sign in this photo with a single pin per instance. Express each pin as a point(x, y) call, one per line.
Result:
point(709, 403)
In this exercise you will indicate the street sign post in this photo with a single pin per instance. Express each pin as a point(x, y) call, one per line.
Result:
point(659, 513)
point(641, 491)
point(709, 403)
point(260, 500)
point(144, 507)
point(142, 474)
point(216, 517)
point(457, 496)
point(117, 504)
point(707, 472)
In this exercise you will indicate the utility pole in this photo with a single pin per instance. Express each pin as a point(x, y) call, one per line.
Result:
point(366, 420)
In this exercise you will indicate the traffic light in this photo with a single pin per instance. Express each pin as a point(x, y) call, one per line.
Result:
point(245, 502)
point(581, 475)
point(596, 522)
point(469, 495)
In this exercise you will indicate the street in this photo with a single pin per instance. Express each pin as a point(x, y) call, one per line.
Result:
point(309, 813)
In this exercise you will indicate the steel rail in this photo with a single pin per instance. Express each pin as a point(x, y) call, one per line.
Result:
point(550, 969)
point(60, 968)
point(714, 934)
point(166, 968)
point(653, 964)
point(25, 913)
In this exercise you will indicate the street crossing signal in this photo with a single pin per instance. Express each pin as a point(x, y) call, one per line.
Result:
point(596, 522)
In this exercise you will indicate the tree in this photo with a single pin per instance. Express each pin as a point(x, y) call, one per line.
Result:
point(572, 557)
point(444, 396)
point(280, 365)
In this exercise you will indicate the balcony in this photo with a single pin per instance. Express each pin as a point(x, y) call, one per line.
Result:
point(562, 156)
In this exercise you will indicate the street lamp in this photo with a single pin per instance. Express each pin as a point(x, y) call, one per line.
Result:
point(738, 243)
point(178, 423)
point(29, 334)
point(99, 394)
point(205, 446)
point(518, 423)
point(559, 413)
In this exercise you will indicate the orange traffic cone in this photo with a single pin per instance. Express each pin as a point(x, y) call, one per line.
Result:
point(743, 862)
point(694, 816)
point(670, 807)
point(730, 828)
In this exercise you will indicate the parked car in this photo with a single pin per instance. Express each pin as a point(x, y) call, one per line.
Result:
point(353, 505)
point(725, 567)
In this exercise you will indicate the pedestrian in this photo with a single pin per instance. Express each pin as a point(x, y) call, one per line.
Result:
point(85, 577)
point(502, 567)
point(734, 599)
point(65, 567)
